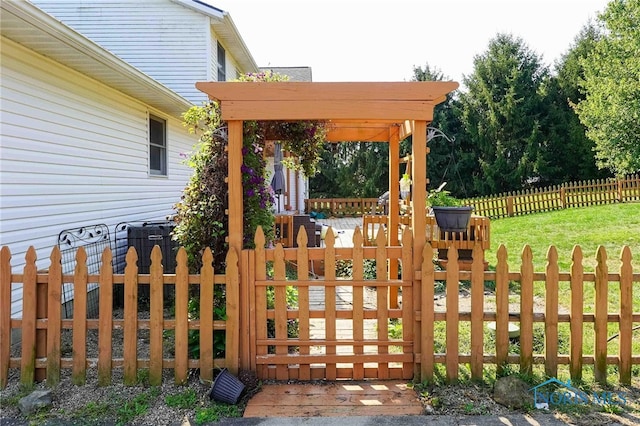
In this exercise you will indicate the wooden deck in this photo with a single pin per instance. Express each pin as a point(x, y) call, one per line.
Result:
point(390, 398)
point(343, 229)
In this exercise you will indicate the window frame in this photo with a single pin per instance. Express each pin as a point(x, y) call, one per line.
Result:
point(222, 62)
point(163, 170)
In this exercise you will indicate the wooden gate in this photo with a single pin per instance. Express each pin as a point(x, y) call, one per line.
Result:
point(323, 313)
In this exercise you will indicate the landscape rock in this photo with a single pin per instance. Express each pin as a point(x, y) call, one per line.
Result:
point(512, 392)
point(34, 401)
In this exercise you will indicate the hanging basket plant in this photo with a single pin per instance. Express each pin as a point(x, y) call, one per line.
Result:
point(451, 215)
point(200, 214)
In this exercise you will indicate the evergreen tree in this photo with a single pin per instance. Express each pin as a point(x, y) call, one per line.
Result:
point(568, 153)
point(502, 112)
point(451, 158)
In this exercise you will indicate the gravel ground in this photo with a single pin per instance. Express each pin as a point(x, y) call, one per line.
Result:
point(145, 405)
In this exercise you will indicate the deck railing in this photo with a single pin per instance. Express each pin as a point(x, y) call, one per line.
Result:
point(340, 207)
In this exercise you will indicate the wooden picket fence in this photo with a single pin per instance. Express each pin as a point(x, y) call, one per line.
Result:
point(41, 324)
point(524, 316)
point(613, 313)
point(568, 195)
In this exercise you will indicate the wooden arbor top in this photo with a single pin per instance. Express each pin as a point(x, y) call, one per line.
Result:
point(362, 111)
point(357, 111)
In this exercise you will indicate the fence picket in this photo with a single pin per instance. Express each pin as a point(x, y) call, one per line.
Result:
point(526, 312)
point(601, 313)
point(130, 343)
point(551, 314)
point(261, 300)
point(358, 302)
point(407, 297)
point(79, 373)
point(452, 326)
point(330, 304)
point(54, 317)
point(181, 368)
point(626, 316)
point(207, 287)
point(502, 309)
point(577, 307)
point(280, 291)
point(156, 316)
point(477, 312)
point(5, 315)
point(28, 359)
point(382, 302)
point(303, 302)
point(426, 340)
point(105, 326)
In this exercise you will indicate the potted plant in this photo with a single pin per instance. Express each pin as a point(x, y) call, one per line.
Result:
point(405, 186)
point(451, 215)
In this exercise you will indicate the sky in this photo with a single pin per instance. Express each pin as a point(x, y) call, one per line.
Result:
point(375, 40)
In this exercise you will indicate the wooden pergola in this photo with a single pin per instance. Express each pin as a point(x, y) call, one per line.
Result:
point(362, 111)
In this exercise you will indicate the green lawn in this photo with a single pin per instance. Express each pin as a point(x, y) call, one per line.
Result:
point(612, 226)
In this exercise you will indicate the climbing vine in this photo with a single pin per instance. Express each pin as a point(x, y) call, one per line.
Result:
point(200, 214)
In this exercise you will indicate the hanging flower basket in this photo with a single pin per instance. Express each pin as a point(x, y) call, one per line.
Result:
point(452, 219)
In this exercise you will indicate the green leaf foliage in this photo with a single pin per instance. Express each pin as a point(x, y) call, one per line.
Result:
point(502, 112)
point(611, 108)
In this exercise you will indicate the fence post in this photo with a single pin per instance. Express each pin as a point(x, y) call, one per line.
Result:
point(232, 347)
point(563, 196)
point(619, 184)
point(5, 315)
point(510, 205)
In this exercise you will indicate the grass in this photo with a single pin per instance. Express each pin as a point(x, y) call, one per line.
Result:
point(612, 226)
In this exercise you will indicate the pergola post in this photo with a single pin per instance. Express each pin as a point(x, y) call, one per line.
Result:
point(236, 217)
point(419, 176)
point(394, 208)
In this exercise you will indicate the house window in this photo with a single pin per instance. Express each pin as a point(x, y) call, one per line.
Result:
point(157, 146)
point(222, 63)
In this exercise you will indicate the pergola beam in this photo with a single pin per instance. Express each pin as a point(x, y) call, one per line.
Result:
point(356, 109)
point(310, 91)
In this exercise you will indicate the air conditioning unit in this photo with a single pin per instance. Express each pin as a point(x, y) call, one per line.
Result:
point(144, 237)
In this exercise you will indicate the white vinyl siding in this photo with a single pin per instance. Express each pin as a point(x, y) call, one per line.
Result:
point(74, 153)
point(166, 41)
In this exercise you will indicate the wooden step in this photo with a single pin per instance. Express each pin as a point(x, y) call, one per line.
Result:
point(368, 398)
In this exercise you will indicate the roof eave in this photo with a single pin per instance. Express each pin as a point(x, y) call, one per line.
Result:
point(26, 24)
